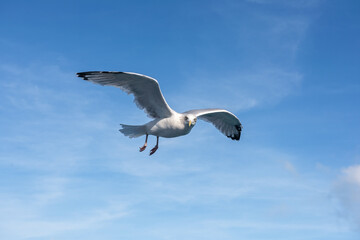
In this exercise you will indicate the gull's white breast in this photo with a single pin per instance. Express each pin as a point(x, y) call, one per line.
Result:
point(170, 127)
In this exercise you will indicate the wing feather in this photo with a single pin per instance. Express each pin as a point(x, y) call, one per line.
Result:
point(146, 90)
point(225, 121)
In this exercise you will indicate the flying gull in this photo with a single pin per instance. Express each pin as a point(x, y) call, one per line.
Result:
point(167, 123)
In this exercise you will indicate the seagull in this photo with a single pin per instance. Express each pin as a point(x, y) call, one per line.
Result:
point(166, 122)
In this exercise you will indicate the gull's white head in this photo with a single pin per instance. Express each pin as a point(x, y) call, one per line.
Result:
point(190, 120)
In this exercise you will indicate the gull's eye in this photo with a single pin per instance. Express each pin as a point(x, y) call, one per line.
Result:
point(186, 118)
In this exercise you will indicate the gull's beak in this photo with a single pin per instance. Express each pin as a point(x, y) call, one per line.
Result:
point(189, 123)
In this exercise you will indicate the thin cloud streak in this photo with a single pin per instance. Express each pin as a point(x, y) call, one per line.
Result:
point(238, 91)
point(347, 192)
point(265, 80)
point(16, 224)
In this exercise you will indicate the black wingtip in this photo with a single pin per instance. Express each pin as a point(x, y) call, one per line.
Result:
point(85, 75)
point(238, 134)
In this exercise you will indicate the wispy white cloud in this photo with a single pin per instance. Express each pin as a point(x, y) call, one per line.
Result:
point(268, 36)
point(42, 209)
point(285, 34)
point(248, 224)
point(295, 4)
point(39, 88)
point(347, 191)
point(289, 167)
point(206, 181)
point(267, 76)
point(142, 167)
point(238, 91)
point(48, 189)
point(49, 118)
point(17, 224)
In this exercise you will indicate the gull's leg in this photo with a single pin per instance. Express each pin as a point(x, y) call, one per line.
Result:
point(152, 151)
point(145, 144)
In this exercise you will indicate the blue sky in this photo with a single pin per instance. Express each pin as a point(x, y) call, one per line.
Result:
point(288, 69)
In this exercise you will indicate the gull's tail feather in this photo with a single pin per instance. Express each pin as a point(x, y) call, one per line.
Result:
point(132, 131)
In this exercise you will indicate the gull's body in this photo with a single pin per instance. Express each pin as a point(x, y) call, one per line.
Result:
point(167, 123)
point(168, 127)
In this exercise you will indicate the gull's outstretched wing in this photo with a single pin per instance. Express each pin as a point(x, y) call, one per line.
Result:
point(146, 90)
point(223, 120)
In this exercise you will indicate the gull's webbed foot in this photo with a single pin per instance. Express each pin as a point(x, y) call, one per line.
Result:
point(142, 148)
point(152, 151)
point(145, 144)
